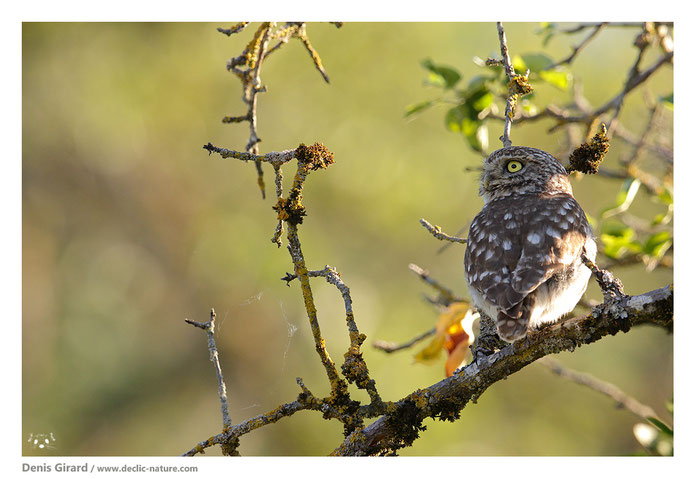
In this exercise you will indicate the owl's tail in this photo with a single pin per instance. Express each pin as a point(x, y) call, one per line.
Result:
point(512, 328)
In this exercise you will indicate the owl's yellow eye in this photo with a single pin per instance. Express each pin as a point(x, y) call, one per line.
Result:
point(514, 166)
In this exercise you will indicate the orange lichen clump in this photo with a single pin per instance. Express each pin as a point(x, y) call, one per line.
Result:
point(314, 157)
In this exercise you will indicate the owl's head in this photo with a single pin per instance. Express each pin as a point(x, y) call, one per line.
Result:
point(522, 170)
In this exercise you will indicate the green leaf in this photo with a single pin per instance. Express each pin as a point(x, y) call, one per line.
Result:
point(476, 134)
point(661, 218)
point(536, 62)
point(624, 199)
point(441, 75)
point(518, 64)
point(660, 425)
point(616, 247)
point(460, 120)
point(617, 239)
point(478, 82)
point(658, 244)
point(481, 100)
point(548, 30)
point(528, 107)
point(433, 79)
point(618, 229)
point(415, 108)
point(455, 117)
point(665, 196)
point(561, 79)
point(668, 101)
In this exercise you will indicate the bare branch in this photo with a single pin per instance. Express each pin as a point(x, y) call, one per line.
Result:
point(209, 328)
point(446, 296)
point(566, 61)
point(389, 347)
point(436, 231)
point(583, 26)
point(234, 28)
point(622, 399)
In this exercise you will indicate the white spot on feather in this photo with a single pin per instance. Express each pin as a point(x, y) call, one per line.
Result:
point(534, 238)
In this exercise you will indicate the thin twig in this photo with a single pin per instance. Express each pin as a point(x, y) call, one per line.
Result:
point(436, 231)
point(275, 158)
point(209, 328)
point(390, 347)
point(446, 296)
point(302, 36)
point(576, 50)
point(622, 399)
point(583, 26)
point(632, 82)
point(234, 28)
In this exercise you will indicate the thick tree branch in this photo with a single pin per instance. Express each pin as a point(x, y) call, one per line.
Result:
point(444, 400)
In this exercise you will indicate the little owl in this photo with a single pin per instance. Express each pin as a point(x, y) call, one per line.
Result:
point(523, 256)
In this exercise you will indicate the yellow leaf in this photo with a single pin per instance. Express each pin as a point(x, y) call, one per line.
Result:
point(432, 351)
point(454, 333)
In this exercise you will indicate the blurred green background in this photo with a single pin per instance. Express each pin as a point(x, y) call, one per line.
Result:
point(129, 227)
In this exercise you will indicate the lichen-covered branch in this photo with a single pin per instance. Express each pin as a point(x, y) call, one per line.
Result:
point(228, 439)
point(517, 85)
point(303, 276)
point(610, 285)
point(445, 399)
point(247, 67)
point(354, 367)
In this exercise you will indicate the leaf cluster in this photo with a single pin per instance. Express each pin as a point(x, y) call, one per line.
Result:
point(471, 104)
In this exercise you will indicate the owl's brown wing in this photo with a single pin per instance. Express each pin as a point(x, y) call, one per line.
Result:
point(517, 243)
